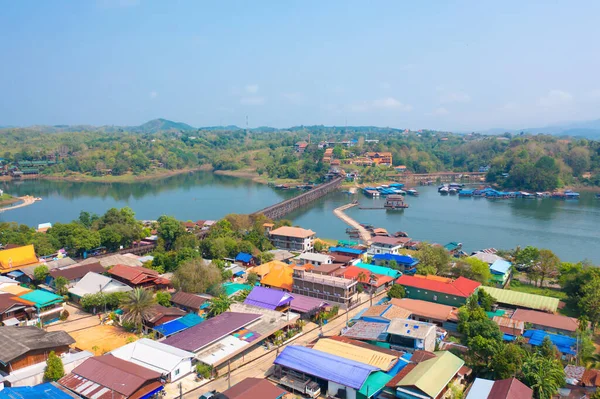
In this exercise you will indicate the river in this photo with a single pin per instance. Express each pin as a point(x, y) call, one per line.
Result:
point(569, 228)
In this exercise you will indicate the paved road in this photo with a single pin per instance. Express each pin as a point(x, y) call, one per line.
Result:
point(259, 367)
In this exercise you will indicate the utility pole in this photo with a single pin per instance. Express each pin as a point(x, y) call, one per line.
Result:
point(228, 374)
point(180, 391)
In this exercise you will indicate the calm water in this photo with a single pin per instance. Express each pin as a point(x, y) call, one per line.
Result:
point(570, 228)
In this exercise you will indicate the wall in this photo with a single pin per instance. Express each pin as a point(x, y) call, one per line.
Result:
point(333, 387)
point(184, 367)
point(432, 296)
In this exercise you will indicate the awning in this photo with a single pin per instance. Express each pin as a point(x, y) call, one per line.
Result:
point(11, 322)
point(15, 274)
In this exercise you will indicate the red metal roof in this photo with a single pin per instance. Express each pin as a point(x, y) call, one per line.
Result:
point(462, 286)
point(546, 319)
point(352, 273)
point(137, 275)
point(77, 271)
point(254, 388)
point(510, 388)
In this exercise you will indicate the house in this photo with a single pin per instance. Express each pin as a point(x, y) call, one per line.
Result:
point(93, 283)
point(511, 328)
point(406, 334)
point(48, 390)
point(282, 255)
point(14, 311)
point(108, 377)
point(315, 259)
point(405, 263)
point(73, 274)
point(487, 257)
point(269, 299)
point(372, 355)
point(275, 274)
point(177, 325)
point(292, 239)
point(254, 388)
point(351, 252)
point(188, 302)
point(501, 271)
point(522, 300)
point(245, 259)
point(435, 313)
point(329, 269)
point(332, 289)
point(308, 306)
point(44, 227)
point(400, 169)
point(367, 331)
point(48, 305)
point(385, 245)
point(300, 146)
point(22, 347)
point(549, 322)
point(438, 289)
point(7, 282)
point(419, 384)
point(384, 313)
point(381, 158)
point(170, 362)
point(113, 260)
point(321, 372)
point(159, 314)
point(139, 277)
point(511, 388)
point(16, 258)
point(384, 271)
point(366, 278)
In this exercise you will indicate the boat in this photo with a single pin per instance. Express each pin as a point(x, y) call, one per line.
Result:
point(412, 192)
point(396, 185)
point(465, 193)
point(452, 191)
point(400, 234)
point(444, 190)
point(572, 195)
point(456, 185)
point(37, 199)
point(443, 186)
point(395, 202)
point(542, 195)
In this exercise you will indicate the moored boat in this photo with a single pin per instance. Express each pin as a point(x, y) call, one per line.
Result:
point(412, 192)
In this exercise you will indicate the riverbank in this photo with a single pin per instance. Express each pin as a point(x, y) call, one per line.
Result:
point(6, 199)
point(251, 174)
point(25, 201)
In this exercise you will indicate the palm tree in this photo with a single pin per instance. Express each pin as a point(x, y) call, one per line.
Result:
point(545, 376)
point(137, 306)
point(277, 337)
point(372, 282)
point(219, 305)
point(300, 324)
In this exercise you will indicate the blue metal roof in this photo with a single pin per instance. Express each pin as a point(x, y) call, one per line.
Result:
point(42, 391)
point(400, 259)
point(500, 266)
point(565, 344)
point(325, 366)
point(177, 325)
point(243, 257)
point(346, 250)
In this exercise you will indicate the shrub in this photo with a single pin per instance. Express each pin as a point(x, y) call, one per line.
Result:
point(204, 370)
point(64, 315)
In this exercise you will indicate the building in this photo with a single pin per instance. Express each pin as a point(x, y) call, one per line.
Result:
point(108, 377)
point(190, 303)
point(315, 259)
point(385, 245)
point(566, 345)
point(48, 390)
point(177, 325)
point(14, 311)
point(430, 312)
point(324, 372)
point(93, 283)
point(139, 277)
point(406, 334)
point(501, 271)
point(282, 255)
point(113, 260)
point(73, 274)
point(159, 314)
point(16, 258)
point(419, 382)
point(382, 270)
point(351, 252)
point(245, 259)
point(372, 355)
point(383, 313)
point(332, 289)
point(269, 299)
point(522, 300)
point(510, 388)
point(549, 322)
point(439, 289)
point(48, 306)
point(275, 274)
point(330, 269)
point(170, 362)
point(366, 278)
point(292, 239)
point(21, 347)
point(509, 327)
point(381, 158)
point(405, 263)
point(254, 388)
point(300, 146)
point(308, 306)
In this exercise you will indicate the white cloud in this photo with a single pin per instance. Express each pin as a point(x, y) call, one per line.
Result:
point(153, 94)
point(252, 100)
point(555, 98)
point(455, 97)
point(441, 111)
point(252, 88)
point(391, 103)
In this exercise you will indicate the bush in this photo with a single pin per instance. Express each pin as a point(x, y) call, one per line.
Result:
point(204, 370)
point(64, 315)
point(396, 291)
point(54, 368)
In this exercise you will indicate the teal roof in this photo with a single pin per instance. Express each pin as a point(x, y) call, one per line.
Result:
point(41, 298)
point(232, 288)
point(386, 271)
point(375, 383)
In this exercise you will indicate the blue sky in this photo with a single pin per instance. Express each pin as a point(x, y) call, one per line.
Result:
point(441, 64)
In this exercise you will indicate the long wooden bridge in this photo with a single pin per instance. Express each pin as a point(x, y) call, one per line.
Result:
point(281, 209)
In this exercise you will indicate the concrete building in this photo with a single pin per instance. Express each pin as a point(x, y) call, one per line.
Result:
point(292, 239)
point(314, 259)
point(332, 289)
point(410, 335)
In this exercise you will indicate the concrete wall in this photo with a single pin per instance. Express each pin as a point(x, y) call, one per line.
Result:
point(182, 369)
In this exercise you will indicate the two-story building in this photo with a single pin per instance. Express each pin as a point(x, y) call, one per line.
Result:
point(381, 158)
point(292, 238)
point(332, 289)
point(411, 335)
point(439, 289)
point(385, 245)
point(314, 259)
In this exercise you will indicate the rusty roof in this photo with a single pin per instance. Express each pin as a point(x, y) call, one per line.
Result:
point(510, 326)
point(510, 388)
point(431, 310)
point(188, 300)
point(254, 388)
point(556, 321)
point(77, 271)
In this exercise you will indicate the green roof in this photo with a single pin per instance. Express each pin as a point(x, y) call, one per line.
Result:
point(523, 300)
point(386, 271)
point(41, 298)
point(432, 376)
point(374, 383)
point(498, 312)
point(232, 288)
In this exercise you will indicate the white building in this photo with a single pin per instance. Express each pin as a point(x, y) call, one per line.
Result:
point(314, 259)
point(411, 335)
point(293, 238)
point(93, 283)
point(171, 362)
point(384, 245)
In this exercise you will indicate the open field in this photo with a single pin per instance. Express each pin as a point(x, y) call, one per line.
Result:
point(103, 338)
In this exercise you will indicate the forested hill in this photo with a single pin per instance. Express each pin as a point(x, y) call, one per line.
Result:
point(528, 162)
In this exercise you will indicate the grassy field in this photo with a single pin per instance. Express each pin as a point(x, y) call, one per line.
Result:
point(6, 199)
point(568, 310)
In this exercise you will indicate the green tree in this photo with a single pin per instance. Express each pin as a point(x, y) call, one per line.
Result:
point(195, 276)
point(589, 303)
point(61, 283)
point(163, 298)
point(40, 273)
point(169, 229)
point(319, 246)
point(241, 296)
point(478, 270)
point(526, 257)
point(266, 257)
point(252, 279)
point(547, 265)
point(54, 370)
point(547, 349)
point(485, 300)
point(396, 291)
point(137, 306)
point(432, 258)
point(545, 376)
point(507, 361)
point(219, 305)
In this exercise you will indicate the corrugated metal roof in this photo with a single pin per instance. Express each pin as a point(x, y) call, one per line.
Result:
point(385, 271)
point(16, 341)
point(268, 298)
point(177, 325)
point(444, 367)
point(426, 309)
point(367, 331)
point(546, 319)
point(324, 365)
point(352, 251)
point(480, 389)
point(374, 383)
point(154, 355)
point(17, 257)
point(305, 304)
point(462, 287)
point(410, 328)
point(49, 390)
point(363, 355)
point(522, 299)
point(42, 298)
point(500, 266)
point(254, 388)
point(510, 388)
point(187, 300)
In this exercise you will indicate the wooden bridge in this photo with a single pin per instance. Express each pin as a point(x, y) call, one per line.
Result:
point(281, 209)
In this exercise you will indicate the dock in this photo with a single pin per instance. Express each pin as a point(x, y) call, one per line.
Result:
point(363, 233)
point(27, 200)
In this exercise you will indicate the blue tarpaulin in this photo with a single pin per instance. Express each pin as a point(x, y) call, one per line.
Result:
point(42, 391)
point(177, 325)
point(352, 251)
point(243, 257)
point(325, 366)
point(565, 344)
point(401, 260)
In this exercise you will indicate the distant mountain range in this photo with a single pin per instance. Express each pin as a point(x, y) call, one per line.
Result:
point(587, 129)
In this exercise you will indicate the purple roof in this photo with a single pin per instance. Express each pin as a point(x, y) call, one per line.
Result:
point(325, 366)
point(195, 338)
point(305, 304)
point(268, 298)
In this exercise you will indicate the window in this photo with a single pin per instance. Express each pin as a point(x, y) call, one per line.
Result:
point(177, 372)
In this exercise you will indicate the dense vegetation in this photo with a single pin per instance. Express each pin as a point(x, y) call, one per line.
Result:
point(522, 161)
